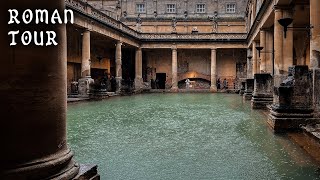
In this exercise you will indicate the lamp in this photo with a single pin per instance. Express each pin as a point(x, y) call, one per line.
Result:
point(249, 57)
point(285, 22)
point(259, 50)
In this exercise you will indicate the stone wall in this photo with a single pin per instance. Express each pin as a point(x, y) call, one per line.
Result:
point(182, 6)
point(187, 26)
point(156, 19)
point(197, 61)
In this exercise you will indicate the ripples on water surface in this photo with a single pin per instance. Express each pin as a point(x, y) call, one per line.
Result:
point(182, 136)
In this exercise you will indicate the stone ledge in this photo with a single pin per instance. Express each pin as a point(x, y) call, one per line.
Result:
point(289, 122)
point(312, 131)
point(87, 172)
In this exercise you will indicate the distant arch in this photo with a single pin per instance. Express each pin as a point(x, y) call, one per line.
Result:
point(193, 75)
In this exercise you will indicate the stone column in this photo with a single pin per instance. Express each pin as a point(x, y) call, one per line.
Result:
point(255, 58)
point(315, 34)
point(85, 63)
point(34, 103)
point(278, 43)
point(263, 54)
point(280, 67)
point(118, 66)
point(213, 87)
point(86, 80)
point(269, 52)
point(249, 64)
point(138, 81)
point(315, 52)
point(174, 70)
point(287, 53)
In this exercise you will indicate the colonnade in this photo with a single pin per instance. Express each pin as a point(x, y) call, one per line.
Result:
point(86, 62)
point(276, 45)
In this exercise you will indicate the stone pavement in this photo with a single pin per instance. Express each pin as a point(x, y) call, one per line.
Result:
point(312, 131)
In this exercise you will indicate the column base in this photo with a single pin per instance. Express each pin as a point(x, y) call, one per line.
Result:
point(316, 91)
point(213, 89)
point(138, 84)
point(289, 120)
point(118, 85)
point(249, 86)
point(261, 101)
point(247, 96)
point(174, 89)
point(84, 85)
point(241, 92)
point(59, 166)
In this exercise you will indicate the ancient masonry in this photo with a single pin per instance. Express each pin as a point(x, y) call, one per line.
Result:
point(269, 50)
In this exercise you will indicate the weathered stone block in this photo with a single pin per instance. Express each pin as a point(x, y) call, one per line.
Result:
point(292, 105)
point(84, 85)
point(263, 91)
point(87, 172)
point(242, 85)
point(138, 84)
point(316, 91)
point(249, 89)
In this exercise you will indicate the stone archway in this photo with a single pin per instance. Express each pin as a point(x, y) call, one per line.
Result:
point(198, 80)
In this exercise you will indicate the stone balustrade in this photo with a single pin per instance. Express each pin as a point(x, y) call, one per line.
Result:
point(112, 20)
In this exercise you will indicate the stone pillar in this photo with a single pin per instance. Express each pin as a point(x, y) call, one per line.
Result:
point(315, 34)
point(263, 63)
point(213, 87)
point(287, 49)
point(292, 105)
point(248, 89)
point(34, 103)
point(315, 52)
point(242, 87)
point(280, 72)
point(278, 43)
point(138, 81)
point(269, 52)
point(86, 80)
point(263, 91)
point(118, 66)
point(255, 60)
point(174, 70)
point(249, 64)
point(85, 63)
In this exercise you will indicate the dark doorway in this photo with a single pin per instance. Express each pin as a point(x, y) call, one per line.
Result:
point(97, 74)
point(161, 80)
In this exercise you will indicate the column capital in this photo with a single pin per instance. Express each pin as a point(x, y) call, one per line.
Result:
point(214, 49)
point(119, 42)
point(86, 30)
point(174, 48)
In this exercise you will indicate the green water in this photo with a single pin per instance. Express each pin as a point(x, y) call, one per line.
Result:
point(182, 136)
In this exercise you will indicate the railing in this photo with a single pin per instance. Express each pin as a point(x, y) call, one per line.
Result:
point(110, 19)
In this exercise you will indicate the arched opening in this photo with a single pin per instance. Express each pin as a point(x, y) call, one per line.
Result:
point(195, 83)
